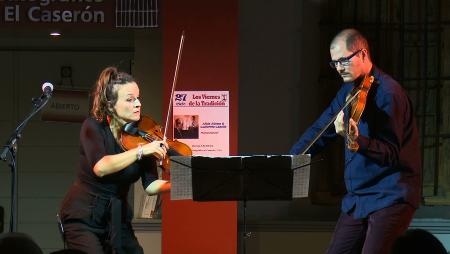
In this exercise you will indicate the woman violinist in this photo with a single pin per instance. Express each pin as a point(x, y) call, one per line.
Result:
point(95, 212)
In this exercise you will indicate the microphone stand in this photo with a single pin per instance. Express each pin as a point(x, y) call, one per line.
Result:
point(11, 148)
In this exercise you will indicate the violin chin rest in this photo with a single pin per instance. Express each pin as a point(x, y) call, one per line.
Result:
point(130, 128)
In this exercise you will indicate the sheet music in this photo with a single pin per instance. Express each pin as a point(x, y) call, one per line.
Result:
point(181, 178)
point(301, 176)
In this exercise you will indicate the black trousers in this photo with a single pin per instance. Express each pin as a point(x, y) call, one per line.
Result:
point(93, 240)
point(372, 235)
point(98, 224)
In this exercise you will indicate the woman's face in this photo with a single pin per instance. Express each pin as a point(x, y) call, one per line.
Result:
point(128, 106)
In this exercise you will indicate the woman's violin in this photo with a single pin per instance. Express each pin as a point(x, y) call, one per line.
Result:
point(146, 130)
point(357, 109)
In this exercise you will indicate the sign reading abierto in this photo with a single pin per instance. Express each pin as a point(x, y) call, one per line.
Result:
point(201, 120)
point(67, 106)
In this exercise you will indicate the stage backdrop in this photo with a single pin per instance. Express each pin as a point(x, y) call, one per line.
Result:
point(209, 63)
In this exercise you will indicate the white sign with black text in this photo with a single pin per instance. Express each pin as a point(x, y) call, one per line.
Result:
point(201, 120)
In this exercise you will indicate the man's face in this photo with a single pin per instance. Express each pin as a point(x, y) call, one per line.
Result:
point(348, 69)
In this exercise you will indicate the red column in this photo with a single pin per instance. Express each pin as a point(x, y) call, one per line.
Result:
point(209, 62)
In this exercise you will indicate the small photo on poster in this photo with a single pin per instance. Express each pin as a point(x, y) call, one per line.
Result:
point(185, 126)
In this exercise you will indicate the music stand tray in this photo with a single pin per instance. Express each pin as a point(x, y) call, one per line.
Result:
point(240, 178)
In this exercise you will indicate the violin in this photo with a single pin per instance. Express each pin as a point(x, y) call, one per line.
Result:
point(147, 130)
point(357, 108)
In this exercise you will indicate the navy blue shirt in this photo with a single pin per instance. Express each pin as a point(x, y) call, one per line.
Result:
point(386, 169)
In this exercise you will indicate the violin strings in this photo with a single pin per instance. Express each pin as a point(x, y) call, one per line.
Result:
point(148, 138)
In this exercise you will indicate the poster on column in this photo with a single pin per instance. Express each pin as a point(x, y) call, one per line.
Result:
point(201, 120)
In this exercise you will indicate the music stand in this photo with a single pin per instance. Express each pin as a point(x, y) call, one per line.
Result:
point(240, 178)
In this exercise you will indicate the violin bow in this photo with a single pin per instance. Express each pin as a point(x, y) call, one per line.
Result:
point(329, 123)
point(174, 83)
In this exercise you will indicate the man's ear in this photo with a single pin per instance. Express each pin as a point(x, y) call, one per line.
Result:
point(364, 54)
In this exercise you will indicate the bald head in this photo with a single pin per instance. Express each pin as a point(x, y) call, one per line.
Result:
point(352, 39)
point(350, 55)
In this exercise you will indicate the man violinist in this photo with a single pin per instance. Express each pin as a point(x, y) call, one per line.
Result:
point(383, 174)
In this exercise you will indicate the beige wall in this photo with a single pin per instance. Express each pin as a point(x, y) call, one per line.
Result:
point(288, 242)
point(150, 241)
point(48, 151)
point(147, 69)
point(260, 242)
point(291, 237)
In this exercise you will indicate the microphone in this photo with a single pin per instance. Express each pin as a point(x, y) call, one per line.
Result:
point(47, 89)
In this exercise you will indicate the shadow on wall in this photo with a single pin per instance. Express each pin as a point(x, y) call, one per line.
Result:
point(418, 241)
point(20, 243)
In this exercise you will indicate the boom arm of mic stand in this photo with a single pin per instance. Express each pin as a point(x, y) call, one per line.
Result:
point(11, 147)
point(17, 133)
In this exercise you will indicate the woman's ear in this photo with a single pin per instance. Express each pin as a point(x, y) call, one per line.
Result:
point(110, 107)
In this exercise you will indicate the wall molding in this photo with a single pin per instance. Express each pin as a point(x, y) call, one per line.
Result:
point(435, 226)
point(145, 225)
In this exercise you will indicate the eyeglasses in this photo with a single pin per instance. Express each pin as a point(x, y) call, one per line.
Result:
point(344, 61)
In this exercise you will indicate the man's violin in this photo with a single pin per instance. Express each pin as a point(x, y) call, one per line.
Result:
point(357, 109)
point(358, 101)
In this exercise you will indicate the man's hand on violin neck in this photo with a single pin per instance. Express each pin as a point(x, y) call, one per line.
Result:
point(353, 131)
